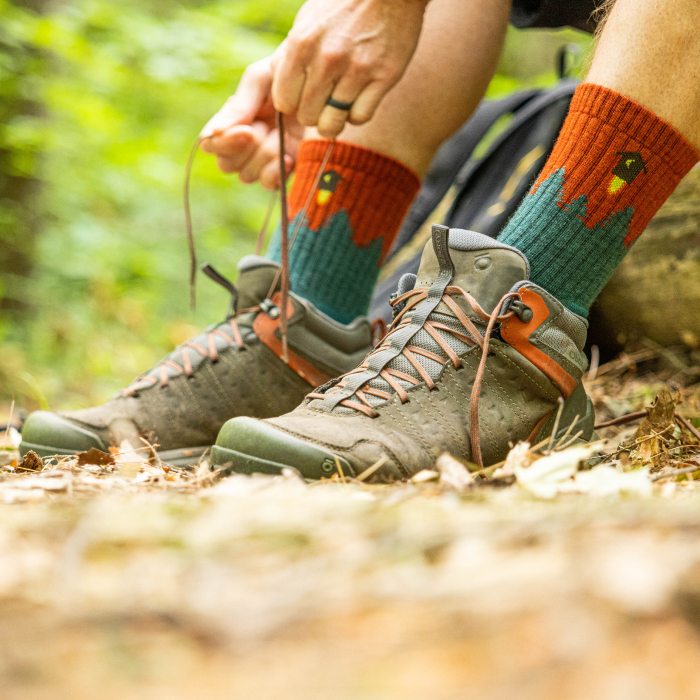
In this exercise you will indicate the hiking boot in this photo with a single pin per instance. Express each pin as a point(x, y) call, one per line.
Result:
point(231, 369)
point(476, 359)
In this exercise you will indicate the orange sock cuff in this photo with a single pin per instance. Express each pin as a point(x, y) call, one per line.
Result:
point(613, 166)
point(374, 190)
point(618, 154)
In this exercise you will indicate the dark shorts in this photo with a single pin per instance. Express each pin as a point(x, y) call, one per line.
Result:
point(555, 13)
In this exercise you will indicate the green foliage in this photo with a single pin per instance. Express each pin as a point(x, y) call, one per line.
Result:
point(100, 103)
point(125, 88)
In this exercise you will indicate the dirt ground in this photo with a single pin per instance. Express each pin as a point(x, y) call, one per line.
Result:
point(128, 580)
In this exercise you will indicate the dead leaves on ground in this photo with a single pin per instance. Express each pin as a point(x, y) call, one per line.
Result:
point(640, 447)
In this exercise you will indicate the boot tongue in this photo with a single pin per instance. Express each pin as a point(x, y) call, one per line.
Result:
point(484, 267)
point(255, 277)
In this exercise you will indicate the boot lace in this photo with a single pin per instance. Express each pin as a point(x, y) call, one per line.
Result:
point(180, 361)
point(467, 332)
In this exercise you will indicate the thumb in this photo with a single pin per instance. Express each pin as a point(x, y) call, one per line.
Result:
point(246, 103)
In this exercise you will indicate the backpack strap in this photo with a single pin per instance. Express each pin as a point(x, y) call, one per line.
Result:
point(452, 156)
point(528, 111)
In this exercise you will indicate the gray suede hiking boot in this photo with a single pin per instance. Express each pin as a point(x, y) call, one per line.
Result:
point(428, 387)
point(231, 369)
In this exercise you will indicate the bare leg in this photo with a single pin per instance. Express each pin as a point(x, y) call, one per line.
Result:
point(454, 62)
point(630, 136)
point(649, 51)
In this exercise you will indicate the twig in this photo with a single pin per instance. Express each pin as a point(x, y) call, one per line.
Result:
point(621, 420)
point(676, 472)
point(9, 425)
point(339, 467)
point(625, 361)
point(567, 432)
point(560, 410)
point(595, 363)
point(370, 470)
point(562, 446)
point(687, 425)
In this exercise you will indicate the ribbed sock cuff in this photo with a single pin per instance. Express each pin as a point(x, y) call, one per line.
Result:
point(623, 114)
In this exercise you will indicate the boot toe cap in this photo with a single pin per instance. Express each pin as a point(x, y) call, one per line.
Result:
point(247, 445)
point(50, 434)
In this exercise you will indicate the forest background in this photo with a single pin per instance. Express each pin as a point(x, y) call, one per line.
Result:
point(99, 104)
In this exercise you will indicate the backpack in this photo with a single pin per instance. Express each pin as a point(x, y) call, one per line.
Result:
point(480, 193)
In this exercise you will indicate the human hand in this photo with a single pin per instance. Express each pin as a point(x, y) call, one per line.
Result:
point(352, 50)
point(243, 135)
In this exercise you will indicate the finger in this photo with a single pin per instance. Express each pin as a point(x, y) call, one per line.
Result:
point(234, 157)
point(267, 153)
point(243, 106)
point(226, 165)
point(270, 174)
point(367, 101)
point(289, 78)
point(332, 120)
point(322, 78)
point(230, 141)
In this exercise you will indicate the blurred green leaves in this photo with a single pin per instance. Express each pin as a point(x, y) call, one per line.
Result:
point(123, 89)
point(100, 103)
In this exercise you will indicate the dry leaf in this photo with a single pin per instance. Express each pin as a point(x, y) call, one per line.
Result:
point(453, 473)
point(654, 430)
point(96, 457)
point(545, 476)
point(605, 480)
point(31, 462)
point(519, 457)
point(10, 438)
point(425, 475)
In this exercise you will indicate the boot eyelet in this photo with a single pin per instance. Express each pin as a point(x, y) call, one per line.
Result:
point(328, 466)
point(522, 311)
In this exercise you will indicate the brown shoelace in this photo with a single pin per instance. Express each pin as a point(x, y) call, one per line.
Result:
point(471, 336)
point(286, 241)
point(160, 374)
point(183, 364)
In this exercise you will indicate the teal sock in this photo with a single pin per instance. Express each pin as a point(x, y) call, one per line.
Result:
point(613, 166)
point(343, 221)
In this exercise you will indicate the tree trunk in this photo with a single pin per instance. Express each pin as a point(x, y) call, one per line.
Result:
point(20, 215)
point(655, 293)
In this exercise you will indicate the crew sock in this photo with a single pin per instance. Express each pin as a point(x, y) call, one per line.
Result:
point(614, 164)
point(346, 210)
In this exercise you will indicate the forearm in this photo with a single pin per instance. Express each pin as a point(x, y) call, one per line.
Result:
point(447, 77)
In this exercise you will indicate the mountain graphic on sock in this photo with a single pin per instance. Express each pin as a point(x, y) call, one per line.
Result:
point(602, 244)
point(341, 265)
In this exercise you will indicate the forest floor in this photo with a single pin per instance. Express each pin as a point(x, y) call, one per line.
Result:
point(569, 572)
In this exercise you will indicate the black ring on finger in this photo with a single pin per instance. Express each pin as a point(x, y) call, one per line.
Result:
point(344, 106)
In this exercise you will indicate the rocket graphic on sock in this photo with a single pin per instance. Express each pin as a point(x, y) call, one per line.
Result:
point(628, 167)
point(327, 186)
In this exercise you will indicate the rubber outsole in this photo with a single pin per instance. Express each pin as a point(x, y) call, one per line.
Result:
point(232, 461)
point(247, 445)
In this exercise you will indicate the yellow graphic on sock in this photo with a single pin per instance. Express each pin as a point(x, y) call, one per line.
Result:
point(327, 186)
point(628, 167)
point(616, 184)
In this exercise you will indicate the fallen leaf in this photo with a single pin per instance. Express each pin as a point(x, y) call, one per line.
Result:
point(425, 475)
point(31, 462)
point(545, 476)
point(11, 438)
point(605, 480)
point(96, 457)
point(453, 473)
point(519, 457)
point(655, 429)
point(129, 461)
